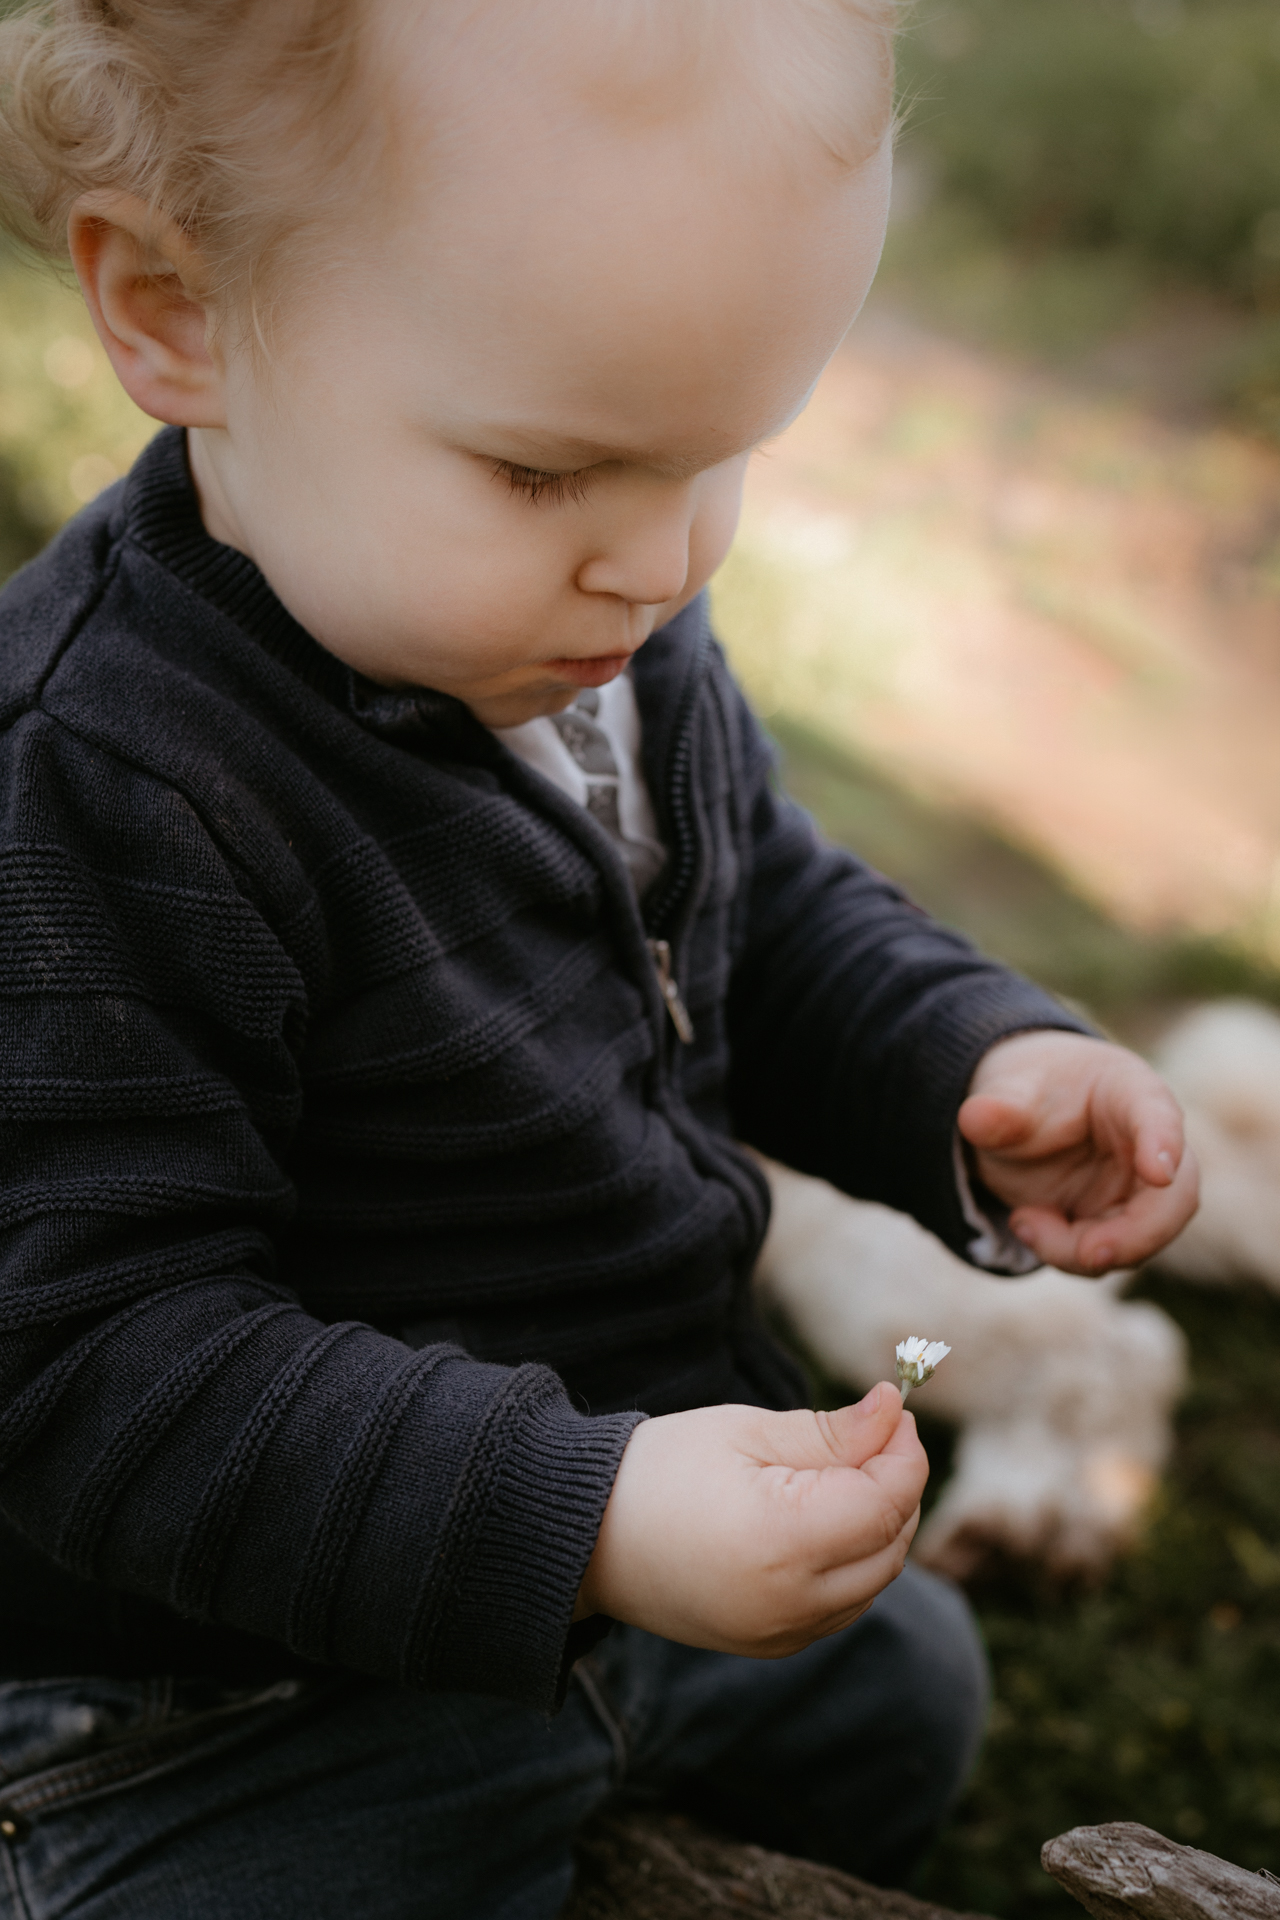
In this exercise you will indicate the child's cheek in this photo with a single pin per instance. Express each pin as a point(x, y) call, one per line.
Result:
point(715, 522)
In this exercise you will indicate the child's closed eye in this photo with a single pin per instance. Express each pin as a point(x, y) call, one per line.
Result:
point(540, 488)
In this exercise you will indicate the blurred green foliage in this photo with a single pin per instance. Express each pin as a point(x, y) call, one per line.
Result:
point(1113, 139)
point(1053, 301)
point(66, 427)
point(1149, 124)
point(1250, 379)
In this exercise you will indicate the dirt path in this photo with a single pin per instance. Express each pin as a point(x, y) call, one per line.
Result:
point(1047, 602)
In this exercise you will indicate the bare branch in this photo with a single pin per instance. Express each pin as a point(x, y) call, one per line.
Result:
point(648, 1865)
point(1122, 1870)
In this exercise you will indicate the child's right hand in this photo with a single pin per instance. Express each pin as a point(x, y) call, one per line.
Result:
point(754, 1532)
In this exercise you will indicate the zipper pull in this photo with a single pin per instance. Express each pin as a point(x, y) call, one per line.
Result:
point(661, 951)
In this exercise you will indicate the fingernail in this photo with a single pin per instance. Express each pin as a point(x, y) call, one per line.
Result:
point(1103, 1258)
point(1166, 1160)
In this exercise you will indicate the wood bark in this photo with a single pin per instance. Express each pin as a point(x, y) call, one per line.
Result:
point(650, 1865)
point(1123, 1870)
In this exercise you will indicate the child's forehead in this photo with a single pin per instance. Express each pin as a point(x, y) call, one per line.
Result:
point(556, 260)
point(598, 249)
point(537, 143)
point(600, 68)
point(610, 305)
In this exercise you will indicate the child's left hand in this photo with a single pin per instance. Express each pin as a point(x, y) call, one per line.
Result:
point(1084, 1142)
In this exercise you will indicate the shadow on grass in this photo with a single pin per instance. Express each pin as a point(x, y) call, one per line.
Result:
point(1013, 905)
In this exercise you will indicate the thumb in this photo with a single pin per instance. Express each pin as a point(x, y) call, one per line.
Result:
point(855, 1434)
point(992, 1123)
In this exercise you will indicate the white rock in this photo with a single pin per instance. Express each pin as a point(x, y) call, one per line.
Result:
point(1223, 1062)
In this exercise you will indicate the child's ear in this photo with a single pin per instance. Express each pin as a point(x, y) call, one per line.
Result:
point(142, 280)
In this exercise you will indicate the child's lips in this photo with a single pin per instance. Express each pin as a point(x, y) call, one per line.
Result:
point(595, 671)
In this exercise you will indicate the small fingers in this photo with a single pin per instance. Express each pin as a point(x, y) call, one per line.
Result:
point(860, 1516)
point(846, 1516)
point(1124, 1237)
point(1148, 1221)
point(855, 1584)
point(1135, 1109)
point(1160, 1144)
point(838, 1594)
point(1058, 1241)
point(994, 1124)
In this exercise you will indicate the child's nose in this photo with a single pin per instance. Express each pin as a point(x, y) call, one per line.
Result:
point(646, 562)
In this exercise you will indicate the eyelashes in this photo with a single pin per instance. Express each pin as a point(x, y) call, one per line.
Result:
point(543, 489)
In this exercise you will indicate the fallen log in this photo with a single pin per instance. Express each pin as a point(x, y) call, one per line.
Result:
point(650, 1865)
point(1123, 1870)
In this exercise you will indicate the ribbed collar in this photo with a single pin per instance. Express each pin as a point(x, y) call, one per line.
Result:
point(162, 515)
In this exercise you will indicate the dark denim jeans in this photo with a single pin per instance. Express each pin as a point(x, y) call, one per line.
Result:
point(346, 1799)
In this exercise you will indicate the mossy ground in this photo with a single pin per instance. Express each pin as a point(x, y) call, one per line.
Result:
point(1154, 1696)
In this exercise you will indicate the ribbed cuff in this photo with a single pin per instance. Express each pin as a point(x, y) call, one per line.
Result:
point(993, 1246)
point(498, 1612)
point(960, 1026)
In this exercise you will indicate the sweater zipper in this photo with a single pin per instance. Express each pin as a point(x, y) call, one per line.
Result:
point(661, 917)
point(669, 987)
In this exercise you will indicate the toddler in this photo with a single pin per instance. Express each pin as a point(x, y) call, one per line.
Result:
point(402, 927)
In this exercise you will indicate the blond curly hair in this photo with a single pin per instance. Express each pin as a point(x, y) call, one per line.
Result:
point(240, 120)
point(220, 114)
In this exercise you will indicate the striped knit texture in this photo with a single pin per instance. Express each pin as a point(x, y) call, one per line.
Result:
point(355, 1194)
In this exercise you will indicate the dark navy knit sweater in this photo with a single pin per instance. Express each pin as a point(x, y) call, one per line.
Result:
point(355, 1188)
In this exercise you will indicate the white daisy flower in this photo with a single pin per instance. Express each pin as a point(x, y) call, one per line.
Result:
point(917, 1359)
